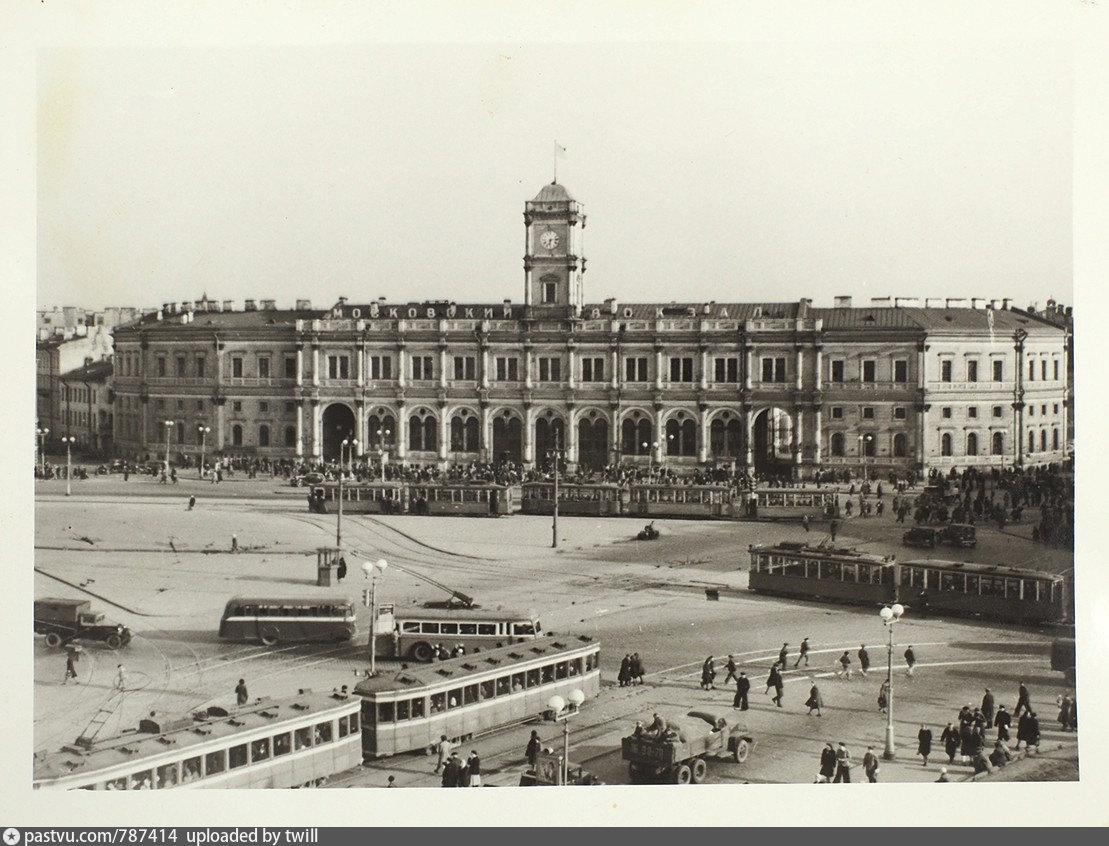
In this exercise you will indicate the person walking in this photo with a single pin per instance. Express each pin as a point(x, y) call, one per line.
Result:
point(532, 751)
point(924, 743)
point(910, 660)
point(832, 527)
point(241, 695)
point(1033, 733)
point(870, 765)
point(444, 748)
point(121, 678)
point(803, 655)
point(451, 770)
point(742, 688)
point(883, 697)
point(815, 700)
point(70, 666)
point(950, 740)
point(783, 655)
point(473, 767)
point(625, 674)
point(843, 765)
point(192, 502)
point(731, 668)
point(1002, 722)
point(805, 521)
point(341, 570)
point(637, 669)
point(864, 659)
point(988, 707)
point(774, 680)
point(708, 674)
point(844, 670)
point(1023, 701)
point(1065, 708)
point(827, 764)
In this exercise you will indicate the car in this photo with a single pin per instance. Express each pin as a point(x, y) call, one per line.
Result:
point(960, 534)
point(64, 620)
point(926, 536)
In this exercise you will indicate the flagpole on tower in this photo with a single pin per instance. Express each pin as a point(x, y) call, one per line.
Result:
point(555, 158)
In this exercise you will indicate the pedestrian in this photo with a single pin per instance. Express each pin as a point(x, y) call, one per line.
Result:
point(444, 748)
point(805, 521)
point(815, 700)
point(241, 695)
point(1065, 706)
point(864, 659)
point(731, 668)
point(1033, 734)
point(988, 707)
point(341, 570)
point(625, 674)
point(234, 543)
point(638, 671)
point(1002, 721)
point(121, 678)
point(451, 768)
point(924, 743)
point(827, 764)
point(844, 670)
point(843, 765)
point(532, 751)
point(742, 688)
point(473, 767)
point(1023, 701)
point(832, 527)
point(883, 696)
point(708, 674)
point(774, 680)
point(192, 502)
point(783, 655)
point(804, 654)
point(870, 765)
point(910, 659)
point(70, 666)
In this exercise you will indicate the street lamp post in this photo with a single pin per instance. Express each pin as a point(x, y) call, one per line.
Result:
point(371, 570)
point(382, 434)
point(890, 615)
point(563, 710)
point(339, 511)
point(169, 425)
point(69, 442)
point(42, 433)
point(864, 442)
point(555, 454)
point(202, 431)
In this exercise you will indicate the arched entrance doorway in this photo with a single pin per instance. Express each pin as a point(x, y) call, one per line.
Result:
point(592, 442)
point(337, 424)
point(772, 443)
point(549, 434)
point(508, 438)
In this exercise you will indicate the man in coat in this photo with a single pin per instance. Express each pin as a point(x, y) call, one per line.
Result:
point(1023, 702)
point(870, 765)
point(864, 659)
point(814, 700)
point(783, 655)
point(910, 661)
point(241, 694)
point(444, 748)
point(708, 674)
point(804, 654)
point(742, 688)
point(827, 763)
point(774, 680)
point(731, 668)
point(1002, 720)
point(988, 707)
point(625, 674)
point(451, 770)
point(924, 743)
point(843, 765)
point(950, 740)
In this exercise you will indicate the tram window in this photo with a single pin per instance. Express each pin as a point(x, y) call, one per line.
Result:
point(591, 661)
point(793, 567)
point(429, 628)
point(488, 689)
point(864, 573)
point(454, 698)
point(548, 674)
point(908, 575)
point(323, 733)
point(438, 702)
point(302, 737)
point(1012, 588)
point(143, 780)
point(116, 784)
point(575, 667)
point(533, 677)
point(470, 694)
point(1031, 590)
point(402, 714)
point(236, 756)
point(487, 629)
point(517, 682)
point(504, 686)
point(282, 744)
point(410, 628)
point(448, 628)
point(167, 775)
point(190, 769)
point(385, 712)
point(216, 762)
point(831, 570)
point(993, 587)
point(972, 584)
point(561, 670)
point(260, 749)
point(951, 581)
point(467, 628)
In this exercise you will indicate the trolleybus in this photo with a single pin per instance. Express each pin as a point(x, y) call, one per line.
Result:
point(417, 631)
point(300, 620)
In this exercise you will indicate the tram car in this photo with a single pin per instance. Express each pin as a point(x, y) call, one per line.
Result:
point(954, 588)
point(398, 497)
point(789, 503)
point(614, 500)
point(574, 499)
point(295, 742)
point(358, 498)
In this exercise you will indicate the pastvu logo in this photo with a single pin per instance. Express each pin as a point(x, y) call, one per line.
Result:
point(11, 836)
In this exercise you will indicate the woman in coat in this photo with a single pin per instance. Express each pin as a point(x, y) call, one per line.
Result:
point(708, 673)
point(924, 743)
point(827, 763)
point(625, 674)
point(883, 697)
point(814, 700)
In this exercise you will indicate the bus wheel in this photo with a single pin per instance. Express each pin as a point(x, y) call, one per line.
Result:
point(422, 652)
point(683, 774)
point(698, 770)
point(269, 635)
point(114, 641)
point(742, 749)
point(53, 640)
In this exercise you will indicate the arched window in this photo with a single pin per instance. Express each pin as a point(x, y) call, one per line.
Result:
point(635, 437)
point(431, 436)
point(1043, 440)
point(1055, 439)
point(1031, 442)
point(458, 428)
point(236, 435)
point(421, 433)
point(870, 446)
point(471, 439)
point(379, 429)
point(972, 444)
point(689, 438)
point(263, 436)
point(945, 444)
point(837, 444)
point(291, 436)
point(997, 446)
point(900, 445)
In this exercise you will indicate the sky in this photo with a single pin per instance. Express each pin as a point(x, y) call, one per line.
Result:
point(745, 171)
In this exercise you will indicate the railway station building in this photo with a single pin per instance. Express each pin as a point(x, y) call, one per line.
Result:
point(781, 388)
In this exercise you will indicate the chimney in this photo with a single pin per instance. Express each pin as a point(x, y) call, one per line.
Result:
point(342, 301)
point(186, 305)
point(906, 302)
point(843, 302)
point(1006, 303)
point(249, 305)
point(958, 302)
point(228, 305)
point(977, 302)
point(803, 306)
point(933, 302)
point(304, 305)
point(269, 305)
point(995, 304)
point(881, 302)
point(610, 305)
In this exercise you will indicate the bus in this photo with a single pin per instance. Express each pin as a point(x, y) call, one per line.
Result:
point(942, 587)
point(295, 742)
point(273, 621)
point(410, 710)
point(416, 631)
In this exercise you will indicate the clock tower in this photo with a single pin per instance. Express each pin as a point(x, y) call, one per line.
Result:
point(553, 261)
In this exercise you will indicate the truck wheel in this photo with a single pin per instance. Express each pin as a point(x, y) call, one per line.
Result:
point(421, 652)
point(53, 640)
point(742, 750)
point(269, 636)
point(698, 770)
point(114, 641)
point(683, 774)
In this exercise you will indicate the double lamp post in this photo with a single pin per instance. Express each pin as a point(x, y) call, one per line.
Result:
point(890, 615)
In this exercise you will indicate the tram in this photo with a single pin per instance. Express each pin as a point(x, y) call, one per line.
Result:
point(795, 502)
point(930, 586)
point(614, 500)
point(398, 497)
point(411, 709)
point(576, 499)
point(295, 742)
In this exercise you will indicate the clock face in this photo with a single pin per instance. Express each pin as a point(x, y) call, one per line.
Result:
point(549, 239)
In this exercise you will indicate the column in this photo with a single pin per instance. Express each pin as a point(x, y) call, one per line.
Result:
point(816, 434)
point(219, 424)
point(315, 365)
point(800, 362)
point(571, 368)
point(747, 422)
point(819, 369)
point(402, 433)
point(660, 436)
point(704, 371)
point(528, 364)
point(300, 364)
point(444, 429)
point(529, 432)
point(798, 440)
point(658, 368)
point(484, 377)
point(299, 419)
point(703, 437)
point(485, 436)
point(443, 367)
point(402, 367)
point(614, 438)
point(571, 440)
point(317, 444)
point(750, 356)
point(360, 426)
point(360, 364)
point(615, 382)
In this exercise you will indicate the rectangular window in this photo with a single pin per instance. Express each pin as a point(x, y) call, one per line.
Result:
point(1031, 371)
point(1043, 370)
point(550, 370)
point(338, 367)
point(264, 368)
point(837, 370)
point(837, 412)
point(290, 407)
point(237, 756)
point(200, 367)
point(901, 371)
point(381, 367)
point(868, 413)
point(946, 411)
point(635, 369)
point(290, 367)
point(972, 371)
point(323, 733)
point(773, 369)
point(508, 369)
point(549, 292)
point(421, 367)
point(681, 369)
point(592, 369)
point(180, 405)
point(161, 365)
point(1055, 369)
point(464, 367)
point(263, 406)
point(997, 411)
point(200, 405)
point(1031, 411)
point(236, 405)
point(998, 370)
point(1055, 408)
point(972, 412)
point(180, 365)
point(869, 369)
point(899, 413)
point(727, 370)
point(945, 370)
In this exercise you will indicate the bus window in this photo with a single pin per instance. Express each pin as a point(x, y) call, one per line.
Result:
point(448, 628)
point(533, 678)
point(504, 686)
point(470, 694)
point(429, 628)
point(402, 713)
point(302, 737)
point(438, 702)
point(518, 682)
point(216, 762)
point(454, 699)
point(548, 674)
point(282, 744)
point(385, 712)
point(323, 733)
point(353, 721)
point(410, 628)
point(488, 689)
point(467, 628)
point(489, 629)
point(972, 584)
point(237, 756)
point(143, 780)
point(561, 670)
point(418, 708)
point(260, 749)
point(167, 775)
point(116, 784)
point(190, 769)
point(523, 629)
point(575, 667)
point(951, 581)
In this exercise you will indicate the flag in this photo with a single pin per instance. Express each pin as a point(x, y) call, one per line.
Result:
point(560, 151)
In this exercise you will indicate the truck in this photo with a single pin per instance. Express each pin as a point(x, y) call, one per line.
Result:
point(677, 755)
point(65, 620)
